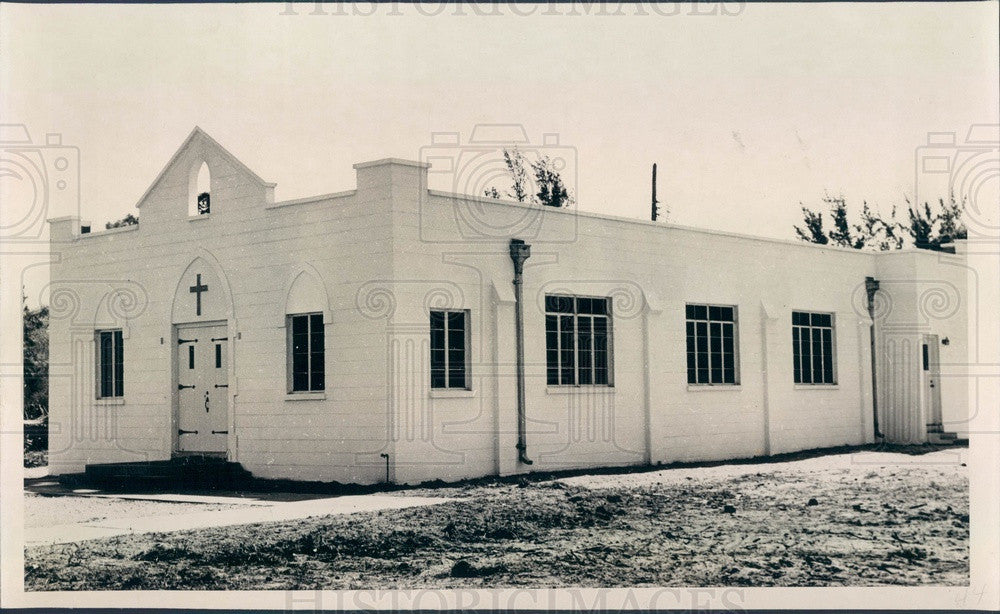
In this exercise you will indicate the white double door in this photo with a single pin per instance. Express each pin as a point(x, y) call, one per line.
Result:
point(202, 388)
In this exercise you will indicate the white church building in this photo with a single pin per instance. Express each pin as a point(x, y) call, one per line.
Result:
point(378, 332)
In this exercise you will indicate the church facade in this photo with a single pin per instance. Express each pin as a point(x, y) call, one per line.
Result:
point(377, 334)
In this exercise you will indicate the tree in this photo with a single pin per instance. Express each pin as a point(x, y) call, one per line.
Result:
point(880, 234)
point(519, 174)
point(36, 362)
point(813, 232)
point(932, 229)
point(841, 234)
point(927, 228)
point(514, 160)
point(551, 190)
point(950, 219)
point(128, 220)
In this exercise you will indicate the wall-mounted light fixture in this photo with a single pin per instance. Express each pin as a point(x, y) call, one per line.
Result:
point(945, 341)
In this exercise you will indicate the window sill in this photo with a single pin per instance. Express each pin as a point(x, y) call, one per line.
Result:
point(200, 216)
point(110, 401)
point(817, 386)
point(715, 387)
point(588, 389)
point(452, 393)
point(305, 396)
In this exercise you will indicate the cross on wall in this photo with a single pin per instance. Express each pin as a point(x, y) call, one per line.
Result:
point(198, 288)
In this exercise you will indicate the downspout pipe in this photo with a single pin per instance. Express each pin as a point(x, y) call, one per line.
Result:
point(871, 287)
point(519, 252)
point(386, 457)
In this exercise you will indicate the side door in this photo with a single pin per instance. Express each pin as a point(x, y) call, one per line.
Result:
point(931, 376)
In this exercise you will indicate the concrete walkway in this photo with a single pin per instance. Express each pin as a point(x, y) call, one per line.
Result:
point(259, 511)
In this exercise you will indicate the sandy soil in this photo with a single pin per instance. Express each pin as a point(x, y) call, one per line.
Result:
point(46, 511)
point(943, 463)
point(850, 520)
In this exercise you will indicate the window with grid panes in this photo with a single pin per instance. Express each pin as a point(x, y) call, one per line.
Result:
point(449, 344)
point(306, 353)
point(577, 340)
point(110, 364)
point(712, 344)
point(813, 358)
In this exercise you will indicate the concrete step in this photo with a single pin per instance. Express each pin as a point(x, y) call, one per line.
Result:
point(942, 439)
point(183, 472)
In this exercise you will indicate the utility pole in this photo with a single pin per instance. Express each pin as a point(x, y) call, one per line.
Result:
point(655, 212)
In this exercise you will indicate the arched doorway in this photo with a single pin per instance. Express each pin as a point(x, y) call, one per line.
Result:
point(202, 348)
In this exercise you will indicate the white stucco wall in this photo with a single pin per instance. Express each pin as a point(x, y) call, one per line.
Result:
point(927, 293)
point(652, 271)
point(382, 255)
point(256, 250)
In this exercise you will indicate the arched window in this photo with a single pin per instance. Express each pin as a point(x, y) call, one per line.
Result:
point(306, 317)
point(201, 192)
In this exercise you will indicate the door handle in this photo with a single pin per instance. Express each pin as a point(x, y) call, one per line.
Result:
point(183, 432)
point(182, 386)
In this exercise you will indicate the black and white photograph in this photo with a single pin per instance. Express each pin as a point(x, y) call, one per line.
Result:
point(563, 306)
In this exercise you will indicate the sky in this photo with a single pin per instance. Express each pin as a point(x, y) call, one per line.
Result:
point(747, 114)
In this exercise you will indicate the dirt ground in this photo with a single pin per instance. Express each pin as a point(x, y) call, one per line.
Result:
point(865, 519)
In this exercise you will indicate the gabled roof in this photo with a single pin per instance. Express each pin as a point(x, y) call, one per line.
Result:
point(225, 152)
